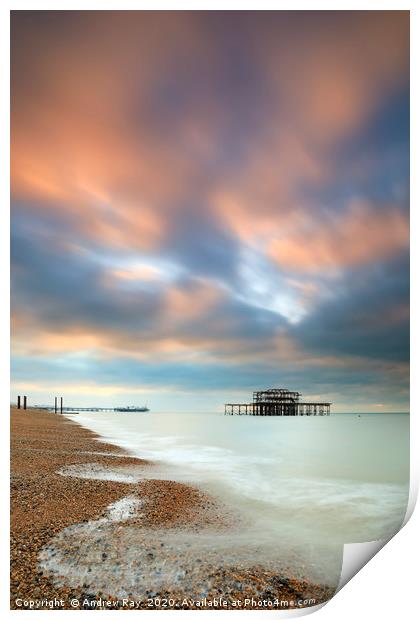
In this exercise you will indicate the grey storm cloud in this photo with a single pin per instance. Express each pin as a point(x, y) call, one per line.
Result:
point(368, 316)
point(63, 288)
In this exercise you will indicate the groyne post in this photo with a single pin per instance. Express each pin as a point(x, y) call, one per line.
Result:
point(55, 405)
point(61, 404)
point(24, 402)
point(18, 402)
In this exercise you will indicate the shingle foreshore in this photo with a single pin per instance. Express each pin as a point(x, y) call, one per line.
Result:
point(44, 503)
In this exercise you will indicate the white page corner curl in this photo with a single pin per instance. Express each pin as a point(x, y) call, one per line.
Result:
point(355, 557)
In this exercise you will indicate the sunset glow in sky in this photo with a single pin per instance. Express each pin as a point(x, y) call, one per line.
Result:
point(208, 203)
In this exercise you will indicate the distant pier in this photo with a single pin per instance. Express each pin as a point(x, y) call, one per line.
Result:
point(64, 409)
point(277, 402)
point(67, 409)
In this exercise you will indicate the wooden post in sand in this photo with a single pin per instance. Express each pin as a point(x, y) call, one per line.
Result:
point(55, 405)
point(24, 402)
point(18, 402)
point(61, 405)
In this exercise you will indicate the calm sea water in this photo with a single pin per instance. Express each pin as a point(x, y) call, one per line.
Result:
point(302, 483)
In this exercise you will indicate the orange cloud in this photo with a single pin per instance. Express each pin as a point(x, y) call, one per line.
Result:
point(137, 272)
point(324, 84)
point(84, 143)
point(363, 233)
point(163, 346)
point(88, 388)
point(345, 63)
point(183, 305)
point(88, 143)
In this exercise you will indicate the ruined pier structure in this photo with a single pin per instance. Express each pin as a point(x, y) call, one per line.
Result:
point(277, 401)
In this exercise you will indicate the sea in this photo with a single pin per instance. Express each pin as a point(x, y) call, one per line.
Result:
point(304, 486)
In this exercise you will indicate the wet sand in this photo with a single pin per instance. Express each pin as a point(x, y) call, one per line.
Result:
point(44, 503)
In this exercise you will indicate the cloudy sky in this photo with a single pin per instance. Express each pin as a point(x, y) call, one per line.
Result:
point(208, 203)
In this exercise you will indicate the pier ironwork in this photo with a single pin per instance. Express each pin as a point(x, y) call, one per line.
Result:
point(278, 402)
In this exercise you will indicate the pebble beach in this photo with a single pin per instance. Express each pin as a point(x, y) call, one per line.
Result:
point(89, 540)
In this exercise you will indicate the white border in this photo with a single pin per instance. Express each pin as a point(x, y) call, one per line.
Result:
point(385, 587)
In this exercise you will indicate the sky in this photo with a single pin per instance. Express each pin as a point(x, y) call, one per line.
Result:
point(210, 203)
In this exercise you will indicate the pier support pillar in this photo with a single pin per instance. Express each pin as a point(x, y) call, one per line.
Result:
point(18, 402)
